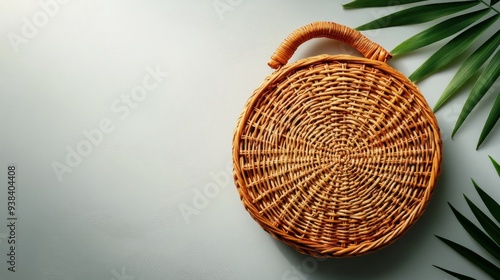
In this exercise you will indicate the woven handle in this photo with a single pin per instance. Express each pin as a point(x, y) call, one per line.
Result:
point(330, 30)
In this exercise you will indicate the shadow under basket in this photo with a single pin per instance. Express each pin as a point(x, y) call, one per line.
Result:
point(336, 155)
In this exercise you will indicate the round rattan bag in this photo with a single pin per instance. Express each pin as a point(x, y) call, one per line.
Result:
point(336, 155)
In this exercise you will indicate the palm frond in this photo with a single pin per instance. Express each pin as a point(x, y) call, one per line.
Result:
point(489, 226)
point(473, 257)
point(490, 121)
point(456, 275)
point(470, 66)
point(418, 14)
point(497, 168)
point(438, 32)
point(454, 48)
point(490, 240)
point(482, 85)
point(377, 3)
point(490, 203)
point(475, 232)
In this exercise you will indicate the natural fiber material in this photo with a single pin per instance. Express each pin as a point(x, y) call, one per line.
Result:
point(336, 155)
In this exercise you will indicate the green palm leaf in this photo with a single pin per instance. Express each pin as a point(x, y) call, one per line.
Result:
point(483, 239)
point(497, 168)
point(489, 226)
point(490, 203)
point(468, 68)
point(484, 82)
point(473, 257)
point(376, 3)
point(418, 14)
point(491, 243)
point(493, 2)
point(454, 274)
point(438, 32)
point(490, 121)
point(449, 52)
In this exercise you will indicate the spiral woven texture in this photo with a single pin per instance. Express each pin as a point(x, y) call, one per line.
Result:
point(336, 155)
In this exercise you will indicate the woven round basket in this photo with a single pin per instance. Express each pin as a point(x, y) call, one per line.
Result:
point(336, 155)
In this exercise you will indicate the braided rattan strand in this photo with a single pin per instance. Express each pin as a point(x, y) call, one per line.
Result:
point(331, 30)
point(336, 155)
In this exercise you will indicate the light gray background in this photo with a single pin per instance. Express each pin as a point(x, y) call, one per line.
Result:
point(118, 214)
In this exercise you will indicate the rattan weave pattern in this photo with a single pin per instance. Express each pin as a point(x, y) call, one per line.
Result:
point(336, 155)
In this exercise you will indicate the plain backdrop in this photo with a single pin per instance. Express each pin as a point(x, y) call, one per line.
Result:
point(119, 116)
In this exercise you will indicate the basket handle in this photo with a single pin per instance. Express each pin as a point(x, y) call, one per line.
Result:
point(330, 30)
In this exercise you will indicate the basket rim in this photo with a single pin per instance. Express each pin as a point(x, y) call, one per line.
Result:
point(365, 246)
